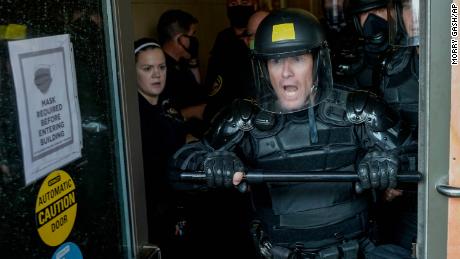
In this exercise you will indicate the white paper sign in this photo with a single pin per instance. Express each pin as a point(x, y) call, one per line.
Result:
point(49, 114)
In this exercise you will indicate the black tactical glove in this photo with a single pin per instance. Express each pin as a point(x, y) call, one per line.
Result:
point(377, 170)
point(220, 166)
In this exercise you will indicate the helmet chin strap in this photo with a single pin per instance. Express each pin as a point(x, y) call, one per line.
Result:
point(312, 124)
point(311, 111)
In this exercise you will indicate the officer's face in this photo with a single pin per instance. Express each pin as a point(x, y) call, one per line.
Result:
point(151, 73)
point(292, 81)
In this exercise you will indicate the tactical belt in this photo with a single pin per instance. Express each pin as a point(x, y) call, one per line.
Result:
point(322, 236)
point(345, 250)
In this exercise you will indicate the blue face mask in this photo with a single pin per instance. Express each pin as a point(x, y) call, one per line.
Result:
point(375, 32)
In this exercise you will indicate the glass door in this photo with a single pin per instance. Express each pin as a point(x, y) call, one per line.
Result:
point(56, 205)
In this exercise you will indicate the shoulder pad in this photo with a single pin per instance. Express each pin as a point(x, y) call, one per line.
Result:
point(333, 109)
point(368, 108)
point(229, 125)
point(264, 120)
point(396, 62)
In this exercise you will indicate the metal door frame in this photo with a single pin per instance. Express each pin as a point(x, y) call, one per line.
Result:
point(120, 24)
point(434, 128)
point(435, 75)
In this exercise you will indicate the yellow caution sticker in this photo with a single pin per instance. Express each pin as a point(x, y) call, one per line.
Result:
point(56, 208)
point(284, 31)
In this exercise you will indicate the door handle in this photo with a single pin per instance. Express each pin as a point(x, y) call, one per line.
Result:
point(443, 188)
point(449, 191)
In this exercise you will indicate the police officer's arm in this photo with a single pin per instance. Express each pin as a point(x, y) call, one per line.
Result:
point(383, 126)
point(385, 134)
point(214, 154)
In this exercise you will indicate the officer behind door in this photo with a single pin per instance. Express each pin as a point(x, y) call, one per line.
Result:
point(400, 89)
point(360, 63)
point(289, 129)
point(400, 74)
point(229, 67)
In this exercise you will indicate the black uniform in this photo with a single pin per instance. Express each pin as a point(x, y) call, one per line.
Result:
point(181, 88)
point(162, 134)
point(315, 216)
point(229, 71)
point(302, 123)
point(372, 46)
point(400, 89)
point(400, 84)
point(182, 91)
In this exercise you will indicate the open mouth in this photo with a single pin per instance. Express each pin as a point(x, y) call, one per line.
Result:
point(290, 90)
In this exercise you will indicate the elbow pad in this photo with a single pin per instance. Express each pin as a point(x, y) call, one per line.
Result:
point(368, 108)
point(229, 125)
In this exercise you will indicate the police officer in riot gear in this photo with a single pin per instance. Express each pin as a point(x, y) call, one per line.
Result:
point(400, 74)
point(399, 87)
point(361, 64)
point(300, 122)
point(370, 19)
point(344, 43)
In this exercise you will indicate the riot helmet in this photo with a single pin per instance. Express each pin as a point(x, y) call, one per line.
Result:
point(361, 6)
point(291, 62)
point(403, 22)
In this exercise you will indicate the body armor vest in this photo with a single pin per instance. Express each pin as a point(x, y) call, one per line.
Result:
point(400, 85)
point(292, 210)
point(316, 214)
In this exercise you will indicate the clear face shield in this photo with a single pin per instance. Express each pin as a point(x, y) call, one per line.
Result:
point(403, 22)
point(292, 82)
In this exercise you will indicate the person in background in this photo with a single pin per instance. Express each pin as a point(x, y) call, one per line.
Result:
point(399, 87)
point(204, 231)
point(400, 74)
point(343, 41)
point(288, 130)
point(229, 69)
point(370, 20)
point(162, 134)
point(176, 31)
point(253, 24)
point(334, 23)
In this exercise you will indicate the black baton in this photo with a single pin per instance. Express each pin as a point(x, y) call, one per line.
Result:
point(262, 176)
